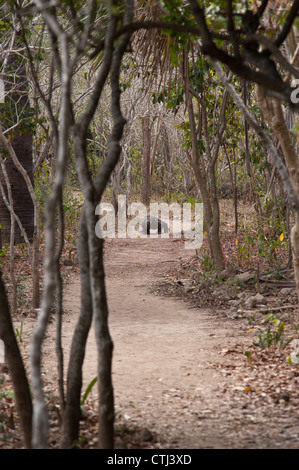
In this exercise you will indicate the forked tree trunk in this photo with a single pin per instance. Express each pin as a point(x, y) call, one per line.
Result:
point(91, 251)
point(209, 197)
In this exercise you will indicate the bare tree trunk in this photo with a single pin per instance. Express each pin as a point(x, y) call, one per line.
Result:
point(100, 307)
point(72, 412)
point(8, 201)
point(167, 156)
point(59, 308)
point(146, 159)
point(272, 110)
point(40, 415)
point(103, 338)
point(16, 367)
point(233, 178)
point(247, 154)
point(94, 286)
point(93, 297)
point(116, 181)
point(71, 415)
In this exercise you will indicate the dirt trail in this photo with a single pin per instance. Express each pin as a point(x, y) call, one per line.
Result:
point(165, 352)
point(179, 372)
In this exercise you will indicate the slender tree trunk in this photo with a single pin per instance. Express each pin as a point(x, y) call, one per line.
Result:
point(72, 412)
point(93, 190)
point(146, 159)
point(89, 309)
point(247, 153)
point(98, 289)
point(103, 338)
point(16, 367)
point(233, 178)
point(295, 250)
point(40, 414)
point(210, 199)
point(167, 156)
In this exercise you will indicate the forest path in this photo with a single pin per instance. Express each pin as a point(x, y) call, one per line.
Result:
point(169, 358)
point(181, 378)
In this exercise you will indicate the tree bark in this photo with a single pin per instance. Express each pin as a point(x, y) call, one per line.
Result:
point(16, 367)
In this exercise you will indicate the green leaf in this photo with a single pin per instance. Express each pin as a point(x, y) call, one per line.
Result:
point(88, 390)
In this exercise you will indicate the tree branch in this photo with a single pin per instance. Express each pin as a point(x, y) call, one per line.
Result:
point(288, 24)
point(287, 183)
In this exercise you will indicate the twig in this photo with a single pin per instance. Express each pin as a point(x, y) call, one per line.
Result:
point(266, 310)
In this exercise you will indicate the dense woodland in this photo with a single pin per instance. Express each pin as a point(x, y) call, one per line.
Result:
point(168, 101)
